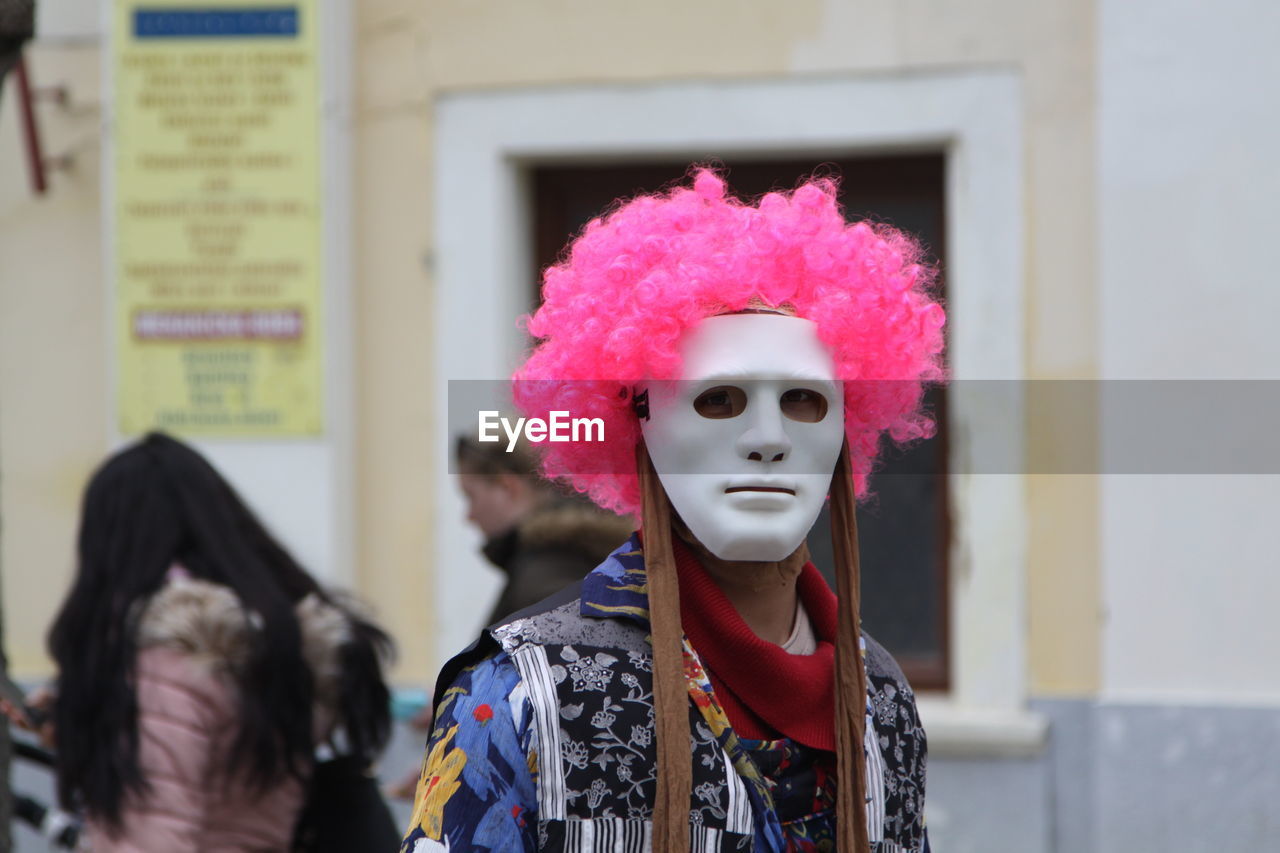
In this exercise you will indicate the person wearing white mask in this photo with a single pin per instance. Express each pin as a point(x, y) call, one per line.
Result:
point(703, 688)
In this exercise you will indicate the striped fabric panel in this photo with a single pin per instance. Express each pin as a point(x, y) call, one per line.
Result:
point(888, 847)
point(639, 838)
point(535, 671)
point(619, 835)
point(738, 812)
point(875, 784)
point(704, 839)
point(608, 835)
point(573, 837)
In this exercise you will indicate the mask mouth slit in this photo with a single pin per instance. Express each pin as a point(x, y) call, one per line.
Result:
point(777, 489)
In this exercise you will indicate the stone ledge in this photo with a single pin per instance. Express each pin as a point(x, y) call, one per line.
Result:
point(956, 731)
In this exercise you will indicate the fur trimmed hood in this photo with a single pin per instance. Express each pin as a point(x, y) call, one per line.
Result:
point(207, 622)
point(574, 524)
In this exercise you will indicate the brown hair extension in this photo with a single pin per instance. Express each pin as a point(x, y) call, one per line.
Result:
point(670, 695)
point(851, 678)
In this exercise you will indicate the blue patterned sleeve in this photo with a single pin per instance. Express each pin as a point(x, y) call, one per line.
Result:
point(477, 790)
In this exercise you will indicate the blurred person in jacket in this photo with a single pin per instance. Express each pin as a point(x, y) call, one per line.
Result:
point(541, 537)
point(199, 665)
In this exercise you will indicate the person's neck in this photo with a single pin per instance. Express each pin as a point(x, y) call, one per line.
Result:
point(763, 593)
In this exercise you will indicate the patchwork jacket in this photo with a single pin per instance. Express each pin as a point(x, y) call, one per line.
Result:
point(544, 741)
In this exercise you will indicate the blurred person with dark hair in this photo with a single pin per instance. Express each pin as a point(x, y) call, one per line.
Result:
point(539, 536)
point(200, 666)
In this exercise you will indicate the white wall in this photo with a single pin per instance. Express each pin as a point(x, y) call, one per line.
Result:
point(69, 20)
point(1188, 186)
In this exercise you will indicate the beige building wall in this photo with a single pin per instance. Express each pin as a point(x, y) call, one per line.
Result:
point(53, 331)
point(409, 53)
point(53, 406)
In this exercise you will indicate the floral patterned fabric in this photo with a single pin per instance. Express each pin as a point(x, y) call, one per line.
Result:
point(478, 745)
point(802, 786)
point(543, 740)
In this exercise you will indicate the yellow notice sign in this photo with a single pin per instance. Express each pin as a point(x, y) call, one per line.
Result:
point(217, 217)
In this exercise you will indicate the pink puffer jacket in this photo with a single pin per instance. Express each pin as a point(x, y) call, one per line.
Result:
point(192, 638)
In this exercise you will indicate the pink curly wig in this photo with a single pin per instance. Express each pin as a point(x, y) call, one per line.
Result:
point(635, 281)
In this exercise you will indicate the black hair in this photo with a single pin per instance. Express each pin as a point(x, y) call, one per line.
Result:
point(153, 504)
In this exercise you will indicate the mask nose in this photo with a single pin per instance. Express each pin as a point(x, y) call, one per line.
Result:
point(765, 439)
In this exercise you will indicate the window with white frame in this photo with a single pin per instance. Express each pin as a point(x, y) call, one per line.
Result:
point(487, 143)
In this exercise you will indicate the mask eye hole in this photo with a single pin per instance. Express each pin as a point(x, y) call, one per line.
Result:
point(722, 401)
point(801, 404)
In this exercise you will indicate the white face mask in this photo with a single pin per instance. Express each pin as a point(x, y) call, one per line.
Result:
point(746, 443)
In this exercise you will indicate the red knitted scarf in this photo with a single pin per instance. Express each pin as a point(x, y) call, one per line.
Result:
point(765, 691)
